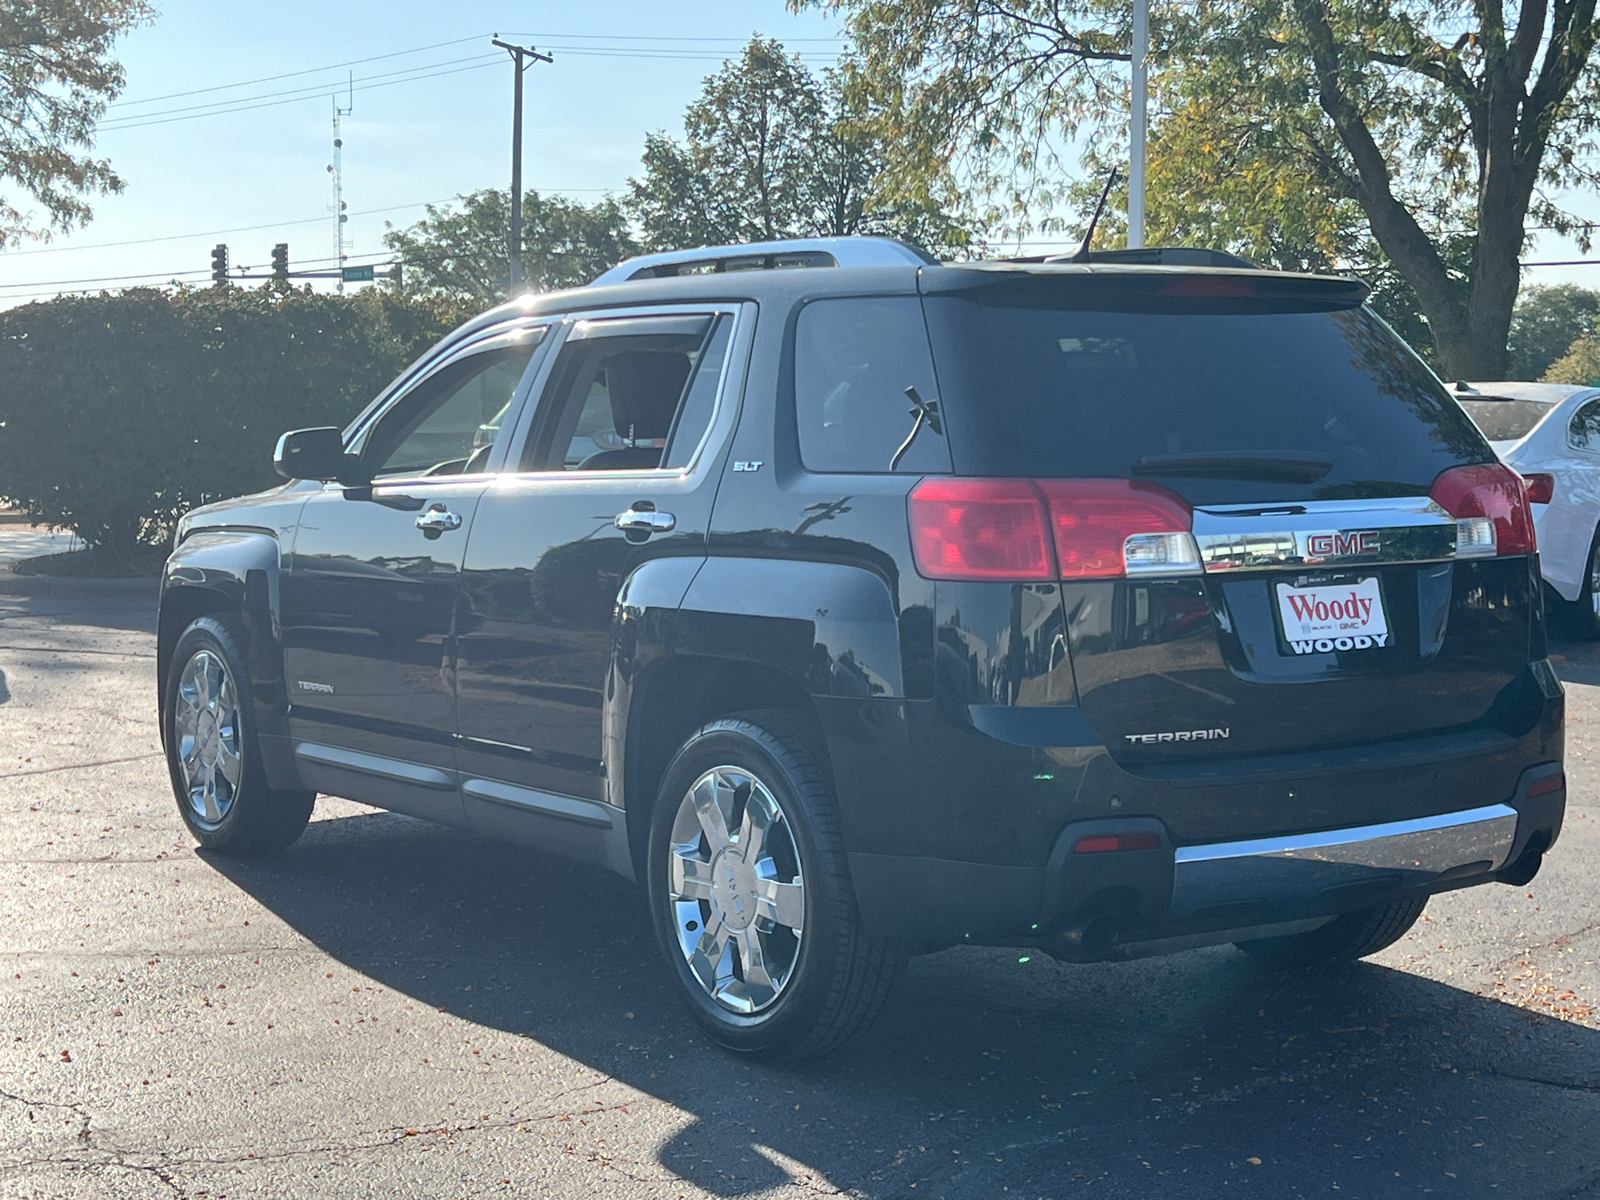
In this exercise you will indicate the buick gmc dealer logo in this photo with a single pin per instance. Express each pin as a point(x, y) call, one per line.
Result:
point(1344, 544)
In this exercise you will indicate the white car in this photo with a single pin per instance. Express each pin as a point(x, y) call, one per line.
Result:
point(1549, 433)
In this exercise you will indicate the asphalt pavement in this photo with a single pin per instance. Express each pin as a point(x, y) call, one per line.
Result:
point(391, 1009)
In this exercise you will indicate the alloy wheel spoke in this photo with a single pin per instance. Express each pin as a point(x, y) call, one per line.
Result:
point(758, 818)
point(784, 903)
point(713, 817)
point(753, 959)
point(230, 766)
point(708, 959)
point(691, 877)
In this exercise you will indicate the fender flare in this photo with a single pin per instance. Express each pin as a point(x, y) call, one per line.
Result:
point(234, 571)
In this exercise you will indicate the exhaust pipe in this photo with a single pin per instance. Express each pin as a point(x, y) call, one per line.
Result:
point(1089, 940)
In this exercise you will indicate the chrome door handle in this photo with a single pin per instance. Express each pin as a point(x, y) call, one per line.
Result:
point(644, 520)
point(437, 520)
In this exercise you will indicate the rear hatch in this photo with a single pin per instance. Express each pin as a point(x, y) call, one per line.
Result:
point(1363, 566)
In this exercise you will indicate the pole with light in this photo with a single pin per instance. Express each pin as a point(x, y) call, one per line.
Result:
point(1137, 123)
point(523, 56)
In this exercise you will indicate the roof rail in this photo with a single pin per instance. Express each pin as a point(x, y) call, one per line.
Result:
point(757, 256)
point(1150, 256)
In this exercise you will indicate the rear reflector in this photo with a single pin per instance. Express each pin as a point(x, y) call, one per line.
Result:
point(1547, 784)
point(1541, 488)
point(1490, 505)
point(1111, 842)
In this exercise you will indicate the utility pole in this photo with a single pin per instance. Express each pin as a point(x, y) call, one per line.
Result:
point(523, 57)
point(1138, 123)
point(336, 169)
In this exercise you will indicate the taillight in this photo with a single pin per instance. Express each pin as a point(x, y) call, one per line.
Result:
point(1541, 488)
point(980, 529)
point(1107, 528)
point(1490, 505)
point(1035, 529)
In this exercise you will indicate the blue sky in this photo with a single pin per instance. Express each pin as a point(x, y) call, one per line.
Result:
point(258, 174)
point(621, 68)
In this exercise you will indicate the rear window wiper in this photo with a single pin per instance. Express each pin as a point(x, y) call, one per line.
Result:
point(1266, 467)
point(926, 413)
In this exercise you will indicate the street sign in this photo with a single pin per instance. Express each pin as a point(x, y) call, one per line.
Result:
point(356, 274)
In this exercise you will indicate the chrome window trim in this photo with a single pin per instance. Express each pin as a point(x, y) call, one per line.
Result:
point(738, 348)
point(490, 338)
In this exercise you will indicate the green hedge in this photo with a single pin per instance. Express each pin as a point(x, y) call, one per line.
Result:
point(120, 413)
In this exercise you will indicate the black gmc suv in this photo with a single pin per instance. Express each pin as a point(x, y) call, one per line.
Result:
point(858, 605)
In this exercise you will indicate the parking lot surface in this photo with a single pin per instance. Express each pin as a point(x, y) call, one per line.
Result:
point(392, 1009)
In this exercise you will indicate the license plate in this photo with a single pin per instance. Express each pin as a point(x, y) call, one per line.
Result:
point(1320, 618)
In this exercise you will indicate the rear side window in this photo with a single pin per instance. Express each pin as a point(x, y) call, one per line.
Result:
point(1584, 431)
point(854, 358)
point(1222, 407)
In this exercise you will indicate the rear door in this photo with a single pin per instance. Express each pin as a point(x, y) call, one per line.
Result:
point(615, 467)
point(368, 598)
point(1333, 609)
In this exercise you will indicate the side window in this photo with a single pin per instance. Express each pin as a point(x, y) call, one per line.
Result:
point(853, 361)
point(1584, 431)
point(447, 424)
point(635, 396)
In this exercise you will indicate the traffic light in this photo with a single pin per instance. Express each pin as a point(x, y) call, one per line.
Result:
point(219, 264)
point(280, 261)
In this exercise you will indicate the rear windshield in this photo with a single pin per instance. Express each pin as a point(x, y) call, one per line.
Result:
point(1506, 420)
point(1220, 407)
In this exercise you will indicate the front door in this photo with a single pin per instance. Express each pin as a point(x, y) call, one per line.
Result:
point(370, 588)
point(619, 438)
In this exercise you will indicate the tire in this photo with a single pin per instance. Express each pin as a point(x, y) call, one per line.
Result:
point(1342, 940)
point(1583, 615)
point(818, 983)
point(208, 727)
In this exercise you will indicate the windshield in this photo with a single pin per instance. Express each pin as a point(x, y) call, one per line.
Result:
point(1506, 420)
point(1220, 407)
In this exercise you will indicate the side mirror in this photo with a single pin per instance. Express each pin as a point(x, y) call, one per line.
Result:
point(315, 454)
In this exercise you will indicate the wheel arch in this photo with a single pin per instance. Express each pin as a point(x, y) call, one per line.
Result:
point(678, 695)
point(233, 573)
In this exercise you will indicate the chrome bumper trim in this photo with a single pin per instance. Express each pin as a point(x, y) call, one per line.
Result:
point(1303, 868)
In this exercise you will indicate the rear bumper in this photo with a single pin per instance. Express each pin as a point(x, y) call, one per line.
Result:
point(1168, 897)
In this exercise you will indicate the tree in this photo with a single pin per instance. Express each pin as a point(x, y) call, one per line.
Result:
point(1547, 321)
point(1580, 364)
point(461, 253)
point(56, 77)
point(1436, 126)
point(771, 152)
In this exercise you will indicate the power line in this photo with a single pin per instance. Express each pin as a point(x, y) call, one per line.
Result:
point(354, 62)
point(213, 111)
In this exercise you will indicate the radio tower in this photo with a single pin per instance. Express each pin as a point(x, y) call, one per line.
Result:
point(337, 170)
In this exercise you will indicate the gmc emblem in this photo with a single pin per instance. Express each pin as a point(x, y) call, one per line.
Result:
point(1343, 543)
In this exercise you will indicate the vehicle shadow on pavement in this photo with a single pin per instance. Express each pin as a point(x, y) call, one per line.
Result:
point(991, 1069)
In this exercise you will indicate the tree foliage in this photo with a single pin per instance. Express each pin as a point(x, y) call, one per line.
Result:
point(56, 77)
point(771, 151)
point(1580, 364)
point(1418, 133)
point(1547, 322)
point(462, 253)
point(120, 413)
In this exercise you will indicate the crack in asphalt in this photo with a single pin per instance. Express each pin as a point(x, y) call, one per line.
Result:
point(85, 650)
point(104, 762)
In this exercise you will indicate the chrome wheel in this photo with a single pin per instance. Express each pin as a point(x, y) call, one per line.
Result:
point(1594, 579)
point(205, 726)
point(736, 889)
